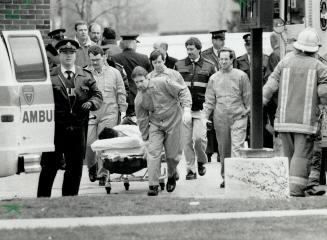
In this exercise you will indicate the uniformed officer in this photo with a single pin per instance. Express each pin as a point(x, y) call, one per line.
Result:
point(129, 58)
point(75, 94)
point(218, 41)
point(244, 63)
point(196, 72)
point(52, 53)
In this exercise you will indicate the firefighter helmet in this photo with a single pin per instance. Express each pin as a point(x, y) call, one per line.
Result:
point(307, 41)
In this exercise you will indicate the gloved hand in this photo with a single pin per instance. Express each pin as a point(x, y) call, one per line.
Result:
point(187, 116)
point(87, 106)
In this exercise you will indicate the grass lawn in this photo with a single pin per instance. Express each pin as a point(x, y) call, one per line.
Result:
point(312, 228)
point(129, 204)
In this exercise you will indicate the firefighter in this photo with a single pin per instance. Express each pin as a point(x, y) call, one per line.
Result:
point(158, 106)
point(75, 94)
point(298, 78)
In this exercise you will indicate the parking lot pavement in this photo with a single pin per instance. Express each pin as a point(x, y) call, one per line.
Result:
point(25, 185)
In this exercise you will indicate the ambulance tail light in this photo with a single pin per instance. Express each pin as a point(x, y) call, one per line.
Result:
point(7, 118)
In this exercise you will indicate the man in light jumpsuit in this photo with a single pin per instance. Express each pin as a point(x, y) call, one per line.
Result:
point(298, 77)
point(111, 85)
point(228, 96)
point(158, 108)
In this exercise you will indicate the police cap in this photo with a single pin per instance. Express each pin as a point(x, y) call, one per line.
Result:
point(129, 37)
point(247, 38)
point(218, 34)
point(57, 34)
point(67, 45)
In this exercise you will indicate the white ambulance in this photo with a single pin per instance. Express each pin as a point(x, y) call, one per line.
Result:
point(26, 102)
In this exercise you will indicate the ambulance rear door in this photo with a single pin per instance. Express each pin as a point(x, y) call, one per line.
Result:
point(31, 71)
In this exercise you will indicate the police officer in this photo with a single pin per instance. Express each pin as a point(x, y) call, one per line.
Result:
point(75, 94)
point(244, 63)
point(218, 41)
point(129, 58)
point(52, 53)
point(196, 72)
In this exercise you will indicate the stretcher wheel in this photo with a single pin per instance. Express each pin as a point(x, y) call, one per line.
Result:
point(108, 189)
point(162, 185)
point(126, 185)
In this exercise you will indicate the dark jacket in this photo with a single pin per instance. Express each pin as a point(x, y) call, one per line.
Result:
point(210, 55)
point(196, 76)
point(242, 63)
point(70, 114)
point(130, 59)
point(170, 62)
point(53, 56)
point(122, 71)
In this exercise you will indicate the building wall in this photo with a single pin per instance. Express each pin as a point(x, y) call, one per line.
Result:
point(25, 15)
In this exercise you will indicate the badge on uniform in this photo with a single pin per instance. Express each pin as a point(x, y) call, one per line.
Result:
point(71, 92)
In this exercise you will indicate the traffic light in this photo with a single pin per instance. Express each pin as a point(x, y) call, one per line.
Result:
point(256, 14)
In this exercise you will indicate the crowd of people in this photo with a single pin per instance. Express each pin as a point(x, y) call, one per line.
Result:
point(198, 105)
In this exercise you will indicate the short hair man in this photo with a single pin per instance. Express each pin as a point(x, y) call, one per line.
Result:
point(228, 97)
point(158, 101)
point(163, 47)
point(52, 53)
point(75, 93)
point(196, 72)
point(95, 33)
point(129, 58)
point(111, 85)
point(84, 41)
point(218, 42)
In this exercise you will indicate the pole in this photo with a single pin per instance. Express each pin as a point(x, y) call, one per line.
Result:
point(256, 85)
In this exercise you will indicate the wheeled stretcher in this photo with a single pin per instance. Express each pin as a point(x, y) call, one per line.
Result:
point(125, 155)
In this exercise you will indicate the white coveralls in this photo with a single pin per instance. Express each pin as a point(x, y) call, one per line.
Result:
point(111, 85)
point(159, 116)
point(228, 96)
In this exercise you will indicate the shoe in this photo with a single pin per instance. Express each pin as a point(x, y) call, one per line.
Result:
point(153, 190)
point(314, 191)
point(222, 185)
point(201, 169)
point(171, 183)
point(93, 173)
point(102, 181)
point(177, 175)
point(190, 175)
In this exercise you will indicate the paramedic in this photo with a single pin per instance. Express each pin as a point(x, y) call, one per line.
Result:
point(158, 107)
point(75, 94)
point(110, 83)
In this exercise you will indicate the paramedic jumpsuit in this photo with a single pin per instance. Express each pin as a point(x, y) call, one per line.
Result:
point(111, 85)
point(228, 96)
point(159, 116)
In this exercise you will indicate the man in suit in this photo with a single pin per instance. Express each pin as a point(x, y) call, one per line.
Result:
point(129, 58)
point(75, 94)
point(163, 47)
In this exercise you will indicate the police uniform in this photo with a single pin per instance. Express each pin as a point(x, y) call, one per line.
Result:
point(212, 55)
point(243, 63)
point(71, 90)
point(130, 59)
point(52, 53)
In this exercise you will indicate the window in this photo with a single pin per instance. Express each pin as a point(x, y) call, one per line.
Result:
point(27, 59)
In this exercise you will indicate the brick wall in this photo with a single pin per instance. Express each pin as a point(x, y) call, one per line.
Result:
point(25, 15)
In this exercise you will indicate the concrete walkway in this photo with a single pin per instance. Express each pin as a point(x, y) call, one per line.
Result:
point(149, 219)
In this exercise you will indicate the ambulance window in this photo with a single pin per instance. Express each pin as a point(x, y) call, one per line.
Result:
point(28, 60)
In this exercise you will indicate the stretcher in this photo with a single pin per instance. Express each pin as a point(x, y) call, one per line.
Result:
point(126, 155)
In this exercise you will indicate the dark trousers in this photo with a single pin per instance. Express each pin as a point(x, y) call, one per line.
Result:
point(70, 146)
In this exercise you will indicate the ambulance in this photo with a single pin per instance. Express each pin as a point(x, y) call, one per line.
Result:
point(26, 102)
point(292, 16)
